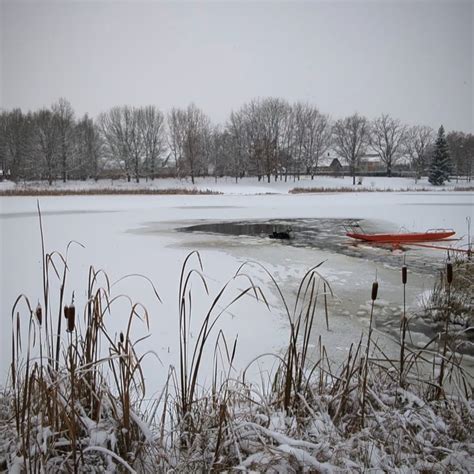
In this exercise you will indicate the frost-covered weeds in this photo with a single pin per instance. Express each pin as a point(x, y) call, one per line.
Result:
point(364, 189)
point(111, 191)
point(75, 399)
point(451, 304)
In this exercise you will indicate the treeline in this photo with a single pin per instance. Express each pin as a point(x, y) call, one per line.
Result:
point(264, 138)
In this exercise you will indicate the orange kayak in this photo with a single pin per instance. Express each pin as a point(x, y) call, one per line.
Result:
point(428, 236)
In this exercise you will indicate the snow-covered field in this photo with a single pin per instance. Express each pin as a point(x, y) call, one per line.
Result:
point(227, 185)
point(137, 235)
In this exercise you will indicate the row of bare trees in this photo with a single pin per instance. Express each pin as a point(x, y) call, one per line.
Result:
point(264, 138)
point(271, 137)
point(386, 137)
point(134, 139)
point(49, 144)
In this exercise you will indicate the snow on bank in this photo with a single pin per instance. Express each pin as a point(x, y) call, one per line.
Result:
point(227, 185)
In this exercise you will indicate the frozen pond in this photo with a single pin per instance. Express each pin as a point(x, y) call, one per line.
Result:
point(142, 235)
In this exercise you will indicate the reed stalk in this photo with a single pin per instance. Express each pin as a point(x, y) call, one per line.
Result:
point(449, 280)
point(403, 328)
point(375, 287)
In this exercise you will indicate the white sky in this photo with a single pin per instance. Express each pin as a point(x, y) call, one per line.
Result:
point(413, 60)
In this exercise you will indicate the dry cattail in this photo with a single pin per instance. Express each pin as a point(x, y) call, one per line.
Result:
point(121, 337)
point(404, 274)
point(449, 272)
point(39, 314)
point(71, 318)
point(375, 289)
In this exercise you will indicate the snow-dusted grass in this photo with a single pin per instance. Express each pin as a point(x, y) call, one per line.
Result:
point(451, 305)
point(103, 191)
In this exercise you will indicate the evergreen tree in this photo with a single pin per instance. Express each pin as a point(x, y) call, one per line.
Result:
point(441, 165)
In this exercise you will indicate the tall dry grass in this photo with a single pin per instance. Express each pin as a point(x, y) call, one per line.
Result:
point(26, 191)
point(63, 384)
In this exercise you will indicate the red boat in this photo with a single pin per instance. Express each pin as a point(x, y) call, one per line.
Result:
point(399, 238)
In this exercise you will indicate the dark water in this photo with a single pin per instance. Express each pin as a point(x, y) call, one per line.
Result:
point(327, 235)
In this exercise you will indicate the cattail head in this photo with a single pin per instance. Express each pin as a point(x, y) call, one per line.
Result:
point(375, 289)
point(39, 314)
point(121, 337)
point(66, 311)
point(449, 272)
point(71, 317)
point(404, 274)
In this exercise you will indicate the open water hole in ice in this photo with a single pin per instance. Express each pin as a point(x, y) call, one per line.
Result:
point(324, 234)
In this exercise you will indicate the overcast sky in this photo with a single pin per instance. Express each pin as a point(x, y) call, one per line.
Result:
point(413, 60)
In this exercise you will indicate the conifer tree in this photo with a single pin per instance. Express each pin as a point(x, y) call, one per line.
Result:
point(441, 165)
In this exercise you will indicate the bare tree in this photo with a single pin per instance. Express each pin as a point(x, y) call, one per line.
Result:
point(418, 141)
point(65, 124)
point(136, 146)
point(387, 139)
point(48, 141)
point(273, 114)
point(16, 144)
point(461, 147)
point(254, 134)
point(312, 136)
point(219, 144)
point(189, 132)
point(152, 125)
point(286, 154)
point(300, 114)
point(112, 130)
point(176, 127)
point(3, 144)
point(318, 138)
point(259, 130)
point(121, 131)
point(239, 146)
point(89, 149)
point(468, 162)
point(351, 139)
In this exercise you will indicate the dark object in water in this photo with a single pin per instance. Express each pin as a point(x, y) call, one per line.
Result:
point(285, 235)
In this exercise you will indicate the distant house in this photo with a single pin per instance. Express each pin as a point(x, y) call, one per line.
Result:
point(371, 163)
point(335, 165)
point(326, 160)
point(331, 164)
point(4, 174)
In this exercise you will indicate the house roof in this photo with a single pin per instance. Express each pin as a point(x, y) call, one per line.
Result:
point(370, 159)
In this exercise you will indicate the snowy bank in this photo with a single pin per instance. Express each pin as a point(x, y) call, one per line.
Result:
point(228, 185)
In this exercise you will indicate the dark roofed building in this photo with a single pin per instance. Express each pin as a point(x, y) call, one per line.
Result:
point(335, 165)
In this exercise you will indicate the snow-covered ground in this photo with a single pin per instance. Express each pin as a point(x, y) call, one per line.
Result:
point(137, 235)
point(227, 185)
